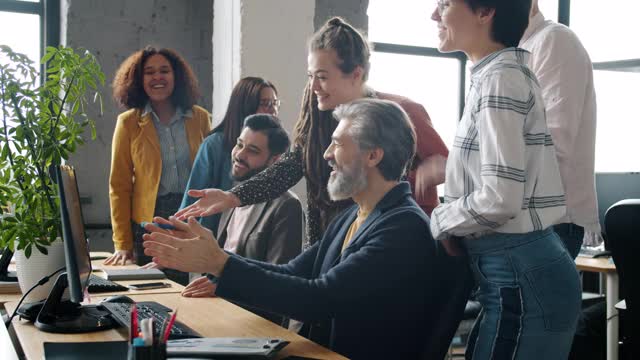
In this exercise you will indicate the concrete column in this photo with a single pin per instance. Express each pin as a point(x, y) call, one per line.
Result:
point(354, 11)
point(226, 54)
point(266, 39)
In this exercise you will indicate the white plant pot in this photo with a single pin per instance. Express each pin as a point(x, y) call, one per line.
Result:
point(31, 270)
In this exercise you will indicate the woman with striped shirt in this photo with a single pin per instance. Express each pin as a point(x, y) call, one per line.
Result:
point(503, 190)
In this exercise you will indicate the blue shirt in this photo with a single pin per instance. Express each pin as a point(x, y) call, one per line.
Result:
point(211, 169)
point(174, 151)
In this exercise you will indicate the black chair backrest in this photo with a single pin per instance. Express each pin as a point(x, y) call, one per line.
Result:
point(452, 284)
point(622, 225)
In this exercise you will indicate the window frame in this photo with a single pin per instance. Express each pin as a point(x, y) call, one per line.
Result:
point(434, 53)
point(564, 10)
point(49, 13)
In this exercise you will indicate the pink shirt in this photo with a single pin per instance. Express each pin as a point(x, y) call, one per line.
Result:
point(565, 73)
point(234, 228)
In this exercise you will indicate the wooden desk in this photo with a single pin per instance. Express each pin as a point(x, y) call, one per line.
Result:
point(211, 317)
point(608, 268)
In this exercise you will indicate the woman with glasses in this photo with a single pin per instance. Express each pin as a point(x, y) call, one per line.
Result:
point(212, 165)
point(503, 190)
point(338, 67)
point(154, 144)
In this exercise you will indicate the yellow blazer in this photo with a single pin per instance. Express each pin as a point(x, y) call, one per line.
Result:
point(136, 165)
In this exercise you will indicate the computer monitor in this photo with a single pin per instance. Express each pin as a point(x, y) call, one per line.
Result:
point(5, 260)
point(613, 187)
point(69, 316)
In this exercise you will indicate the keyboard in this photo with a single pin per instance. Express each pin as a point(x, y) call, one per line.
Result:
point(121, 313)
point(102, 285)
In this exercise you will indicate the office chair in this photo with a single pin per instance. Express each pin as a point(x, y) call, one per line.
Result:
point(622, 226)
point(454, 287)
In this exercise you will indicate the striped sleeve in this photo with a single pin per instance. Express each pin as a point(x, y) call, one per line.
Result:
point(497, 134)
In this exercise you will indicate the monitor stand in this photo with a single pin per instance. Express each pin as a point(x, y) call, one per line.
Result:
point(5, 260)
point(64, 316)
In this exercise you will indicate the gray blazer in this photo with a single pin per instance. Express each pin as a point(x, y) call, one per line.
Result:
point(273, 232)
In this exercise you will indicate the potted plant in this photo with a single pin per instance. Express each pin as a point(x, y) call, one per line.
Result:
point(42, 124)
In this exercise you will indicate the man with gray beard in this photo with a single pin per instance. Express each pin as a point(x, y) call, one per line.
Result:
point(366, 290)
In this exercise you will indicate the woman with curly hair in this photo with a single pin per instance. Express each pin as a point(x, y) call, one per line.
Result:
point(154, 144)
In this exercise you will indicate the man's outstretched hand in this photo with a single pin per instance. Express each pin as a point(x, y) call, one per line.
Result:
point(189, 247)
point(211, 201)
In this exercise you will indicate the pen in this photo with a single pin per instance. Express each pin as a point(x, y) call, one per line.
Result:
point(162, 330)
point(167, 331)
point(134, 321)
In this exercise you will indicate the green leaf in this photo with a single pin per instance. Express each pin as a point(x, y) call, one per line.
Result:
point(8, 236)
point(42, 249)
point(43, 124)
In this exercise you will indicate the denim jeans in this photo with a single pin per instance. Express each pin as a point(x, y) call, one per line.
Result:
point(572, 236)
point(530, 293)
point(166, 205)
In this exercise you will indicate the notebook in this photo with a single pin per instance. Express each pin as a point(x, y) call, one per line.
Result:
point(133, 274)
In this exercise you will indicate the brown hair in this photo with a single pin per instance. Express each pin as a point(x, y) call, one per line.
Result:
point(128, 88)
point(314, 127)
point(244, 101)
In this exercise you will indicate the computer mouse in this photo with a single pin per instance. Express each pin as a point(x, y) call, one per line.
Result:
point(119, 299)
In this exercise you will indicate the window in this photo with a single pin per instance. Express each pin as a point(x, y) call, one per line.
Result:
point(406, 22)
point(405, 61)
point(21, 32)
point(549, 8)
point(618, 121)
point(613, 45)
point(27, 26)
point(430, 81)
point(24, 25)
point(615, 36)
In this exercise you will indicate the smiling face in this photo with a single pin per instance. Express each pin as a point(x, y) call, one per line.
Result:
point(158, 78)
point(331, 86)
point(457, 26)
point(349, 175)
point(251, 154)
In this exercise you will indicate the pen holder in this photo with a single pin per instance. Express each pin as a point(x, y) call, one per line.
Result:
point(152, 352)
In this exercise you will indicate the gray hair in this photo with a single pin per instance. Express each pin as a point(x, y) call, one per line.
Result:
point(381, 124)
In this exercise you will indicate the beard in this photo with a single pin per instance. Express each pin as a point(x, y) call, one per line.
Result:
point(248, 174)
point(347, 182)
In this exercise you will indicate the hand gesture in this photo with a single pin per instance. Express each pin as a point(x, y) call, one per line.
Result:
point(212, 201)
point(119, 257)
point(200, 287)
point(151, 265)
point(192, 247)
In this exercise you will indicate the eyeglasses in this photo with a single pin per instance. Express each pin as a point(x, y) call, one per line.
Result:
point(269, 103)
point(442, 5)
